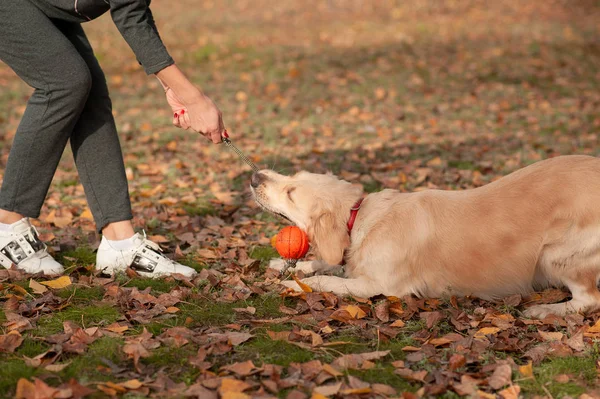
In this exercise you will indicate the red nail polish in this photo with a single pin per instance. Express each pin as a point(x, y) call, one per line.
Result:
point(175, 115)
point(182, 111)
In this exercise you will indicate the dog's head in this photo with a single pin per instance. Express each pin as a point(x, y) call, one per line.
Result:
point(317, 203)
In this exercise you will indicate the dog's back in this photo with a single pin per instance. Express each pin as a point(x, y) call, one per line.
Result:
point(537, 226)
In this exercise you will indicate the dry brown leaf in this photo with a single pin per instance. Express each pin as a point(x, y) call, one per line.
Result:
point(501, 377)
point(36, 287)
point(328, 390)
point(11, 341)
point(456, 361)
point(551, 336)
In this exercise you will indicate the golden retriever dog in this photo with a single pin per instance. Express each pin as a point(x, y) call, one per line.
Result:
point(534, 228)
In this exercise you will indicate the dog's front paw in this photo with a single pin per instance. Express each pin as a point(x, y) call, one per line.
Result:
point(277, 264)
point(541, 311)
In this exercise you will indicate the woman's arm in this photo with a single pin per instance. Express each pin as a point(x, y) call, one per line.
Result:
point(134, 20)
point(192, 108)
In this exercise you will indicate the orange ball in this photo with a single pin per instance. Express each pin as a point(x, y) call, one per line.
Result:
point(291, 243)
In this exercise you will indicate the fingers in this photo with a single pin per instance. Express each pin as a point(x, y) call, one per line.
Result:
point(216, 137)
point(181, 119)
point(184, 119)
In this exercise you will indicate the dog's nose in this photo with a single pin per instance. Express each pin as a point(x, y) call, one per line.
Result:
point(256, 179)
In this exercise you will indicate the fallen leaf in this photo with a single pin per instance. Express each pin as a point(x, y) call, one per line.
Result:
point(456, 361)
point(527, 370)
point(512, 392)
point(11, 341)
point(551, 336)
point(131, 384)
point(303, 286)
point(328, 390)
point(355, 311)
point(500, 377)
point(36, 287)
point(58, 283)
point(241, 368)
point(486, 331)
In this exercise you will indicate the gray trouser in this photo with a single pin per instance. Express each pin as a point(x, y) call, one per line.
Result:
point(70, 102)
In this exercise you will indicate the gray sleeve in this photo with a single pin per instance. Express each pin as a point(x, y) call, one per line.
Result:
point(134, 20)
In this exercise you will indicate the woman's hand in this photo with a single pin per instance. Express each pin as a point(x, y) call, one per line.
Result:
point(191, 108)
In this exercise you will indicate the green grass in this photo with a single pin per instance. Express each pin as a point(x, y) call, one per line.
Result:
point(581, 369)
point(84, 368)
point(83, 315)
point(79, 294)
point(80, 256)
point(263, 350)
point(157, 286)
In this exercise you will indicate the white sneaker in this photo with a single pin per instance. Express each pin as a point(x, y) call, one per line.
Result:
point(22, 247)
point(145, 257)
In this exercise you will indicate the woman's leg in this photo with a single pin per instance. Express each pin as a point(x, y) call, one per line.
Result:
point(96, 148)
point(99, 160)
point(42, 56)
point(46, 60)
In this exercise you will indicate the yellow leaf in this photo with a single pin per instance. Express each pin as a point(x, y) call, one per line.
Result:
point(25, 389)
point(234, 395)
point(304, 287)
point(410, 348)
point(486, 395)
point(60, 282)
point(398, 323)
point(551, 336)
point(512, 392)
point(439, 341)
point(437, 161)
point(64, 219)
point(329, 369)
point(355, 311)
point(19, 289)
point(86, 214)
point(116, 328)
point(317, 395)
point(230, 386)
point(595, 328)
point(37, 287)
point(131, 384)
point(172, 309)
point(527, 370)
point(356, 391)
point(486, 331)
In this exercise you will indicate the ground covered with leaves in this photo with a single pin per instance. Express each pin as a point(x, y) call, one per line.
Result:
point(403, 95)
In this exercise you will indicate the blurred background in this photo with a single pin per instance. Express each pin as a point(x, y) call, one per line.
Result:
point(408, 95)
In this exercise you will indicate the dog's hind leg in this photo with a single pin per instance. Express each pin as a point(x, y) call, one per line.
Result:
point(586, 297)
point(340, 286)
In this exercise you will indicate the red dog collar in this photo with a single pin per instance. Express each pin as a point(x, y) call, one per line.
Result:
point(353, 213)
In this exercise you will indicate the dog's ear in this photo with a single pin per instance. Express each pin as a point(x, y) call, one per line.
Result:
point(329, 236)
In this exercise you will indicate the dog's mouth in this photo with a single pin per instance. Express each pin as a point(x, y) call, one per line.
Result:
point(269, 209)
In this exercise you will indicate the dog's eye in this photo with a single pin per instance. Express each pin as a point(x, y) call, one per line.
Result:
point(290, 190)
